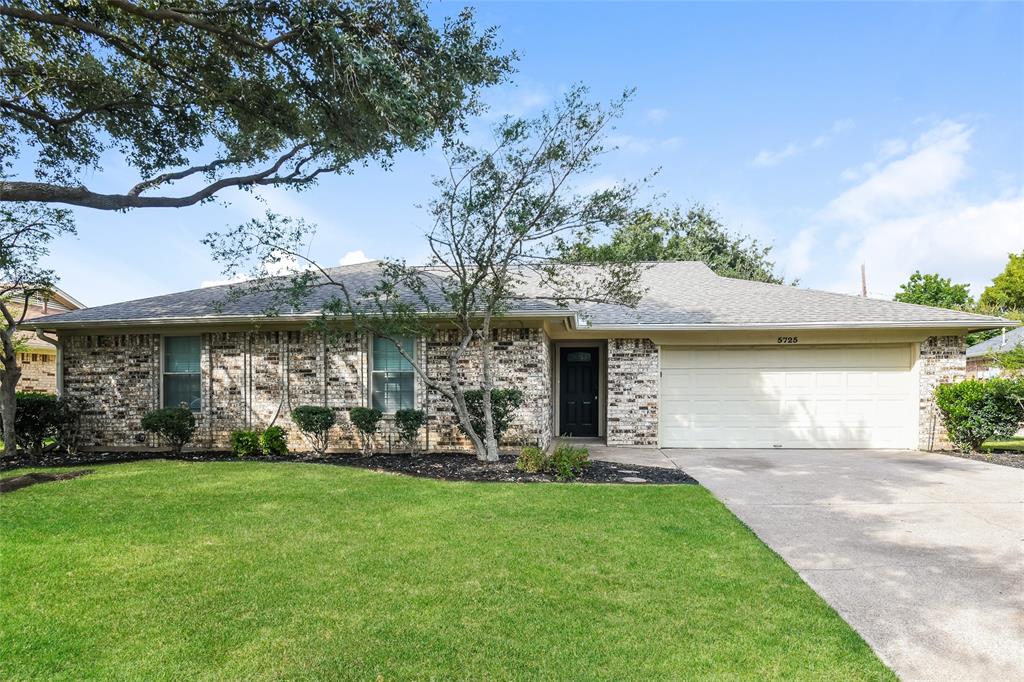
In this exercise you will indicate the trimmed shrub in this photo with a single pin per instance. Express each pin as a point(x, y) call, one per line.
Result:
point(175, 425)
point(35, 419)
point(531, 459)
point(568, 462)
point(367, 422)
point(315, 422)
point(274, 441)
point(504, 403)
point(408, 423)
point(975, 411)
point(565, 462)
point(245, 443)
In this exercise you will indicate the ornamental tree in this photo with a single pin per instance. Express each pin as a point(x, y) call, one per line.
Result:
point(1007, 289)
point(697, 234)
point(504, 219)
point(934, 290)
point(26, 231)
point(200, 95)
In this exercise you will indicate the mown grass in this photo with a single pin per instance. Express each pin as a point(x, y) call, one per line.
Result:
point(173, 570)
point(1011, 444)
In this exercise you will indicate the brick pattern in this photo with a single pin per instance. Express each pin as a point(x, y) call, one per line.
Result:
point(249, 377)
point(634, 371)
point(521, 358)
point(118, 375)
point(38, 372)
point(942, 360)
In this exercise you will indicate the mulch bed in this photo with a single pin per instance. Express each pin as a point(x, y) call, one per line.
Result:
point(1006, 459)
point(449, 467)
point(13, 483)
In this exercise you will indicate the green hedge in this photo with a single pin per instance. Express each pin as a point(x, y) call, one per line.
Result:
point(975, 411)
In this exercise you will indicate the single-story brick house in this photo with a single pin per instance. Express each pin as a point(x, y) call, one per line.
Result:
point(703, 361)
point(980, 362)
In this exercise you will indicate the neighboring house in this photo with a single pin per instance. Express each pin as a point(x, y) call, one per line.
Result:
point(980, 361)
point(38, 358)
point(703, 361)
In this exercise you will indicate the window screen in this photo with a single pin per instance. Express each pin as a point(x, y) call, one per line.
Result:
point(181, 372)
point(392, 379)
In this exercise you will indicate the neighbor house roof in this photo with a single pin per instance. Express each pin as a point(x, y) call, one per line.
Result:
point(677, 295)
point(998, 344)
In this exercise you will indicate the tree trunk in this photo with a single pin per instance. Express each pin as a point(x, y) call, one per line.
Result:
point(10, 374)
point(490, 453)
point(8, 406)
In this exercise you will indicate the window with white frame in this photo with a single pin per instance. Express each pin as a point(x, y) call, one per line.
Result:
point(181, 372)
point(392, 378)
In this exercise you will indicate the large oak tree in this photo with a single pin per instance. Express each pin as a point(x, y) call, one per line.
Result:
point(196, 96)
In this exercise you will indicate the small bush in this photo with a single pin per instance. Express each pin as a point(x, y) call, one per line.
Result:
point(175, 425)
point(408, 423)
point(531, 459)
point(36, 418)
point(975, 411)
point(367, 421)
point(315, 422)
point(504, 403)
point(274, 441)
point(245, 443)
point(565, 462)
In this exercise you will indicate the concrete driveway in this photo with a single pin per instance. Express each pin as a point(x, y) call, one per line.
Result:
point(922, 554)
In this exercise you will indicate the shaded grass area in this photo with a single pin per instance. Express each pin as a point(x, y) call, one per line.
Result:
point(1012, 444)
point(175, 570)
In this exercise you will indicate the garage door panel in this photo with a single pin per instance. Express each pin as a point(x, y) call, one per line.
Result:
point(841, 397)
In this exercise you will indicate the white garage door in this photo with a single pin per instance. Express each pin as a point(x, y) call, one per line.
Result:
point(806, 397)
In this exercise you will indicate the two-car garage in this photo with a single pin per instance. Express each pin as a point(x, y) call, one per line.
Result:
point(861, 396)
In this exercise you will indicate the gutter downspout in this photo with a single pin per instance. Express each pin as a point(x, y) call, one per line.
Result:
point(41, 335)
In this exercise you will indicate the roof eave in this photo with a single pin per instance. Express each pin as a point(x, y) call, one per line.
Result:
point(966, 325)
point(56, 325)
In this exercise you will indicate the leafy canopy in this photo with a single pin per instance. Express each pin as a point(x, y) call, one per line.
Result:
point(209, 94)
point(697, 235)
point(934, 290)
point(1007, 288)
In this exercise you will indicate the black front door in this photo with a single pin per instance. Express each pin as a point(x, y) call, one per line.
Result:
point(578, 392)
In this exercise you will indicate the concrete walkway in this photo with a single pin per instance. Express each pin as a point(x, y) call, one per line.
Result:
point(922, 554)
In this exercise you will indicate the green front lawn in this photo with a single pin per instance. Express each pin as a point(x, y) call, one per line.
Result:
point(173, 570)
point(1011, 444)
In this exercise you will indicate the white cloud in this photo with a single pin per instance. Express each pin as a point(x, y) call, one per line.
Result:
point(906, 214)
point(656, 115)
point(968, 243)
point(354, 257)
point(936, 162)
point(518, 100)
point(768, 157)
point(633, 144)
point(796, 258)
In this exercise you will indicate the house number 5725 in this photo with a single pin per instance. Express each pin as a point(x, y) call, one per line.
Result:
point(788, 339)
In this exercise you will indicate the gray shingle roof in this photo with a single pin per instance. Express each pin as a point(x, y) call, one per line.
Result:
point(677, 294)
point(997, 344)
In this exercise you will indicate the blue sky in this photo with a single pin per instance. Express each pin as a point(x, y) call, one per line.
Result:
point(889, 134)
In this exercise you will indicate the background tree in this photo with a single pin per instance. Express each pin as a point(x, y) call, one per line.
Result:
point(698, 234)
point(934, 290)
point(25, 233)
point(502, 222)
point(1007, 289)
point(200, 95)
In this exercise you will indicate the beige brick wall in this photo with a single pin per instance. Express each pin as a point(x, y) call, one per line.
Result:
point(634, 375)
point(942, 360)
point(38, 372)
point(249, 377)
